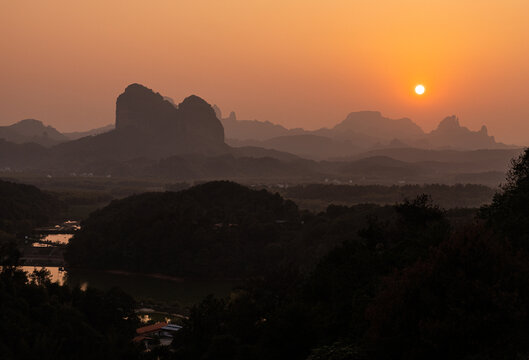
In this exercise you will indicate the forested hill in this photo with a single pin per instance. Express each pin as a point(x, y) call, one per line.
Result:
point(219, 228)
point(413, 289)
point(23, 207)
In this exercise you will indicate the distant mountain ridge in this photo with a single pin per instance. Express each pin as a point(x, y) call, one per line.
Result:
point(31, 130)
point(360, 131)
point(171, 131)
point(253, 129)
point(157, 137)
point(74, 135)
point(450, 132)
point(372, 123)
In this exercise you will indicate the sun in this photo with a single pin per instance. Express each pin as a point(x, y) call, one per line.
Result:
point(419, 89)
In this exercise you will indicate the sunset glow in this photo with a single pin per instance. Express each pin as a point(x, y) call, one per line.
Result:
point(173, 173)
point(297, 63)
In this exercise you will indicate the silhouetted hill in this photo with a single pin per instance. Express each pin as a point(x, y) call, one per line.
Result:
point(309, 146)
point(362, 127)
point(25, 206)
point(154, 137)
point(483, 160)
point(388, 166)
point(360, 131)
point(260, 152)
point(190, 127)
point(253, 129)
point(31, 131)
point(148, 126)
point(413, 281)
point(373, 124)
point(22, 156)
point(216, 229)
point(450, 134)
point(79, 134)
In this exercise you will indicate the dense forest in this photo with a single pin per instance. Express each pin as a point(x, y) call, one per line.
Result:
point(421, 289)
point(44, 320)
point(40, 319)
point(218, 229)
point(406, 281)
point(215, 229)
point(25, 206)
point(317, 196)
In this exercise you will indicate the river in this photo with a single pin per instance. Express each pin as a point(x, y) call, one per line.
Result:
point(144, 288)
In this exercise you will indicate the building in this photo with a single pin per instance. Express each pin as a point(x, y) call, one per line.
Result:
point(159, 334)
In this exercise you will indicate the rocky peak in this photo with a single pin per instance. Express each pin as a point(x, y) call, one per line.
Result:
point(451, 134)
point(449, 123)
point(200, 119)
point(196, 105)
point(142, 108)
point(191, 126)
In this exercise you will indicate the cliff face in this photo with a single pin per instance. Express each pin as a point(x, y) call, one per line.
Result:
point(143, 109)
point(189, 127)
point(200, 121)
point(149, 126)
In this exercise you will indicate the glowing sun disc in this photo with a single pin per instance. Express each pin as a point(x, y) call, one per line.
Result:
point(419, 89)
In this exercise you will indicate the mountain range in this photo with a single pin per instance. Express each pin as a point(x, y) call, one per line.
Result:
point(359, 132)
point(32, 131)
point(153, 136)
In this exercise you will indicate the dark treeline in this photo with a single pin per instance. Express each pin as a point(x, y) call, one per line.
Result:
point(446, 196)
point(417, 289)
point(44, 320)
point(24, 206)
point(407, 281)
point(218, 229)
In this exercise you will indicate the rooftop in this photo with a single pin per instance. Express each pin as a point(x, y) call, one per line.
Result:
point(151, 328)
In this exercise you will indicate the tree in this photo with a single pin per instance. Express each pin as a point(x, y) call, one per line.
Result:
point(509, 212)
point(468, 300)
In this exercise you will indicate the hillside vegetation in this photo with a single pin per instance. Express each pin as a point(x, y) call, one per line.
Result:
point(25, 206)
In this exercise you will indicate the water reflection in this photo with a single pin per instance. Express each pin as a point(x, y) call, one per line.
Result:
point(58, 238)
point(57, 274)
point(140, 286)
point(52, 239)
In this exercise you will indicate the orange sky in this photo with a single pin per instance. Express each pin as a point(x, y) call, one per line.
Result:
point(299, 63)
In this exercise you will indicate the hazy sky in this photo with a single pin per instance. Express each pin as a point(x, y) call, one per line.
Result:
point(299, 63)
